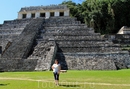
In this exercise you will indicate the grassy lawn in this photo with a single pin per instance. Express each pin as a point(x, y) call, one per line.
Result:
point(71, 80)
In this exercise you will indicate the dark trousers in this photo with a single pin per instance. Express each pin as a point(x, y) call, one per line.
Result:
point(56, 76)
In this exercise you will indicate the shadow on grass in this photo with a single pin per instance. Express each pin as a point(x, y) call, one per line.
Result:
point(70, 85)
point(1, 71)
point(4, 84)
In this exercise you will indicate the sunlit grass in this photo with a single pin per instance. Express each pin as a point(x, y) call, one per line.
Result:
point(71, 80)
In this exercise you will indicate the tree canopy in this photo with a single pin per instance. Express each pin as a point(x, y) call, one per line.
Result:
point(105, 16)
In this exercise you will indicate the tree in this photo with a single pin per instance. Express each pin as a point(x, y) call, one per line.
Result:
point(96, 11)
point(121, 13)
point(72, 6)
point(105, 16)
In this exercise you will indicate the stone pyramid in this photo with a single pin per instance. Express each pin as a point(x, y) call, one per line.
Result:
point(76, 46)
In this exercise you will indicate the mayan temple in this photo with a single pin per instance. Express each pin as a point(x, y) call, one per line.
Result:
point(41, 34)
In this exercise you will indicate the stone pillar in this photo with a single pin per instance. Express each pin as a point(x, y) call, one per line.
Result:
point(57, 13)
point(47, 14)
point(28, 15)
point(19, 16)
point(37, 14)
point(66, 13)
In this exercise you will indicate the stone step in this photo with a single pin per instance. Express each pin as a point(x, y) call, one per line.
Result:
point(71, 31)
point(17, 21)
point(62, 17)
point(11, 29)
point(67, 29)
point(67, 21)
point(84, 43)
point(88, 49)
point(63, 25)
point(90, 54)
point(65, 38)
point(82, 26)
point(60, 20)
point(71, 34)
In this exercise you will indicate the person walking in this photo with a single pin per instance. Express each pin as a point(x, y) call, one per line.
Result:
point(56, 67)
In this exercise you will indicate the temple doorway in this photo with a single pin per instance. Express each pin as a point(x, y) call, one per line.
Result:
point(61, 13)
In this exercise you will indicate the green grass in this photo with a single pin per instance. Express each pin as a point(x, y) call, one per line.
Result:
point(71, 80)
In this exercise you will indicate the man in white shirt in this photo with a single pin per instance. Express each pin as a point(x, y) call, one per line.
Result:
point(56, 71)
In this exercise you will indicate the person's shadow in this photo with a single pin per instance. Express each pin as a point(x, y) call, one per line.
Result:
point(69, 85)
point(4, 84)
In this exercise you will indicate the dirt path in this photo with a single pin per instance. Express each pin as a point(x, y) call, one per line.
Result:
point(105, 84)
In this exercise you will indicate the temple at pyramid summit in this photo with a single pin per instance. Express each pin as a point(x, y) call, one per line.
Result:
point(43, 11)
point(41, 34)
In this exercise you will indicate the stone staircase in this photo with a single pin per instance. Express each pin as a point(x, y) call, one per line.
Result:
point(80, 48)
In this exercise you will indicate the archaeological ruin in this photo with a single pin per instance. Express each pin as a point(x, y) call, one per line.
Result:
point(41, 34)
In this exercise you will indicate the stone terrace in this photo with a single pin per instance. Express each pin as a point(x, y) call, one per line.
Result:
point(24, 41)
point(14, 58)
point(74, 38)
point(10, 30)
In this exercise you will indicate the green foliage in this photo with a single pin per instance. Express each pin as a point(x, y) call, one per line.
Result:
point(105, 16)
point(121, 13)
